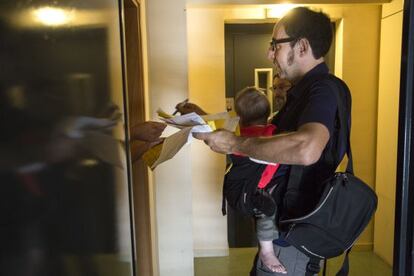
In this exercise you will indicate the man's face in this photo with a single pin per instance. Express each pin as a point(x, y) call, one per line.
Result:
point(280, 88)
point(282, 54)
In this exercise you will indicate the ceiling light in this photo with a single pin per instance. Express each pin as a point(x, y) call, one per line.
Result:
point(278, 11)
point(52, 16)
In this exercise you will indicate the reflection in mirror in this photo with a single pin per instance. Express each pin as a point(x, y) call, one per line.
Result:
point(64, 188)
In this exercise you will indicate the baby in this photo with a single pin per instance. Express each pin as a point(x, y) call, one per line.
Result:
point(253, 108)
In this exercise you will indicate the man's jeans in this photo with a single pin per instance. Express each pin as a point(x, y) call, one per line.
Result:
point(292, 259)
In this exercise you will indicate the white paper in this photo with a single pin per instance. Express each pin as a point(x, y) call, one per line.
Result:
point(186, 120)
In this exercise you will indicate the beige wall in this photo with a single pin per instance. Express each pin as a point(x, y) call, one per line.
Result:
point(360, 71)
point(388, 100)
point(167, 85)
point(207, 86)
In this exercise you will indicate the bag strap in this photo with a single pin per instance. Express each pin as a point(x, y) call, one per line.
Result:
point(344, 271)
point(223, 203)
point(313, 267)
point(343, 122)
point(344, 125)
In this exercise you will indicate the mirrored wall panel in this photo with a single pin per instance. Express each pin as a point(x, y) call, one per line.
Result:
point(64, 199)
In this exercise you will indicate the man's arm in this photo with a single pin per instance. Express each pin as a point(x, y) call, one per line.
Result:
point(301, 147)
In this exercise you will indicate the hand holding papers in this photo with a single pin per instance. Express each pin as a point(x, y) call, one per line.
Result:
point(187, 120)
point(187, 124)
point(179, 105)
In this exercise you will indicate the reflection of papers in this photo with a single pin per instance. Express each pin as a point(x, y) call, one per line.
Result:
point(171, 145)
point(103, 146)
point(94, 135)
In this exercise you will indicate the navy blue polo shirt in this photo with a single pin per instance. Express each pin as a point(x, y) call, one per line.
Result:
point(312, 100)
point(320, 106)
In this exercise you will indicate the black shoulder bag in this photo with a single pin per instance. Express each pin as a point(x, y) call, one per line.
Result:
point(345, 208)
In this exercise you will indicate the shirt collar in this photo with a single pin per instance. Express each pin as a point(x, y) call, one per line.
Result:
point(319, 69)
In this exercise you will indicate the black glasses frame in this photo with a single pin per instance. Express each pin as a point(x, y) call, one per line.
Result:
point(274, 42)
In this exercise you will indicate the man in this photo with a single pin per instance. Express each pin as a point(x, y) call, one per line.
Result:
point(279, 88)
point(307, 122)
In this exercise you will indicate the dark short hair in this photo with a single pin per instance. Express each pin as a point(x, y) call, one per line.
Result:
point(302, 22)
point(252, 106)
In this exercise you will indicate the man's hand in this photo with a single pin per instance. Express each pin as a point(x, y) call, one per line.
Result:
point(147, 131)
point(185, 108)
point(221, 141)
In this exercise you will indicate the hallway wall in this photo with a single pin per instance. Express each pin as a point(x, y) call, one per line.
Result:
point(207, 86)
point(388, 101)
point(167, 85)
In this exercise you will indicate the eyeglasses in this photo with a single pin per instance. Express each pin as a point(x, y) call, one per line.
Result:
point(275, 42)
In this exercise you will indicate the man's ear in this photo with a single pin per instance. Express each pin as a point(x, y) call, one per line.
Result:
point(303, 46)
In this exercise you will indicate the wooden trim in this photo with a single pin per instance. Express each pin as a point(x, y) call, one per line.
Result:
point(136, 114)
point(137, 3)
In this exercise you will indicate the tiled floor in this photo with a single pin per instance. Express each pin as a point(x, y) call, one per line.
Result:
point(239, 261)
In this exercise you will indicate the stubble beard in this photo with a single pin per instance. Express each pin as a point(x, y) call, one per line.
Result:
point(289, 61)
point(291, 76)
point(290, 58)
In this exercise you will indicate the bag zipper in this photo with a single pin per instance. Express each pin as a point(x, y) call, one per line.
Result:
point(337, 175)
point(313, 212)
point(290, 230)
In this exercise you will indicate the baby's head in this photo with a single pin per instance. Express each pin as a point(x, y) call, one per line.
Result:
point(252, 106)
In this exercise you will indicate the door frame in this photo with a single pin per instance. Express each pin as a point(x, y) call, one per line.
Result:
point(134, 102)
